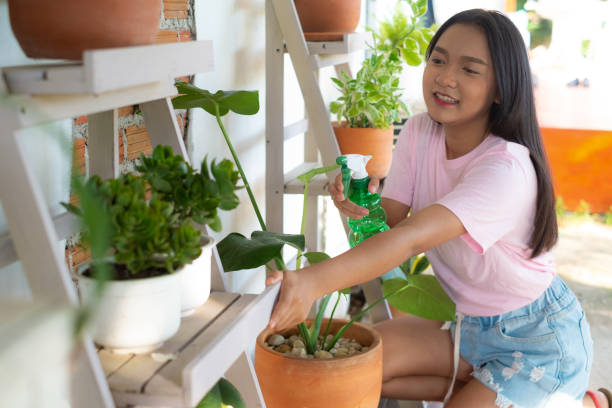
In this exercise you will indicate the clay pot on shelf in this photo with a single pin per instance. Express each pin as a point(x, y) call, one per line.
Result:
point(63, 29)
point(377, 142)
point(321, 19)
point(345, 382)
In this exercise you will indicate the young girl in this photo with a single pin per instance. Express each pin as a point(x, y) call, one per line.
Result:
point(474, 173)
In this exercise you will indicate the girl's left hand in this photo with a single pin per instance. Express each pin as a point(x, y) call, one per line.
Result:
point(294, 300)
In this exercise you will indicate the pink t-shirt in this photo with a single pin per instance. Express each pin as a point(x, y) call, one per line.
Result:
point(492, 190)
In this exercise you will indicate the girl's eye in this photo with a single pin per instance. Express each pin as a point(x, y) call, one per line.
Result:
point(470, 71)
point(436, 61)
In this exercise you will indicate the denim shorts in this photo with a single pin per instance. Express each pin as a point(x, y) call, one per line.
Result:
point(538, 355)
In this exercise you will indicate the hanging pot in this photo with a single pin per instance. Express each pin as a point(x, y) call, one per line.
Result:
point(377, 142)
point(65, 28)
point(345, 382)
point(328, 16)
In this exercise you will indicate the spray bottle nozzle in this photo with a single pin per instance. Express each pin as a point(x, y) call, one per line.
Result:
point(353, 166)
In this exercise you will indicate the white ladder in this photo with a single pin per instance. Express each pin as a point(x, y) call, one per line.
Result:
point(210, 343)
point(284, 34)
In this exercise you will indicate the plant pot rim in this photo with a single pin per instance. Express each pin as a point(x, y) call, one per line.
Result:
point(376, 343)
point(341, 125)
point(206, 241)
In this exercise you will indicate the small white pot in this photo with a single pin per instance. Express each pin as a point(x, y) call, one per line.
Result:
point(194, 279)
point(136, 315)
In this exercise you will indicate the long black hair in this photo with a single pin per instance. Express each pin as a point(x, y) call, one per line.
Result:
point(514, 117)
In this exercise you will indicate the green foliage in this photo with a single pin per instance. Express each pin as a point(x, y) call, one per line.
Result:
point(372, 98)
point(560, 207)
point(148, 237)
point(608, 216)
point(238, 252)
point(221, 102)
point(583, 210)
point(195, 195)
point(405, 34)
point(422, 296)
point(221, 395)
point(415, 265)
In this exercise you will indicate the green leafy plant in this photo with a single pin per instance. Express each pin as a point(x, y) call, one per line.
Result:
point(372, 98)
point(405, 33)
point(239, 252)
point(416, 265)
point(221, 395)
point(148, 237)
point(560, 207)
point(608, 216)
point(195, 195)
point(583, 210)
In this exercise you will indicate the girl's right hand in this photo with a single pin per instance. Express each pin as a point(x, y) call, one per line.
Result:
point(347, 207)
point(294, 301)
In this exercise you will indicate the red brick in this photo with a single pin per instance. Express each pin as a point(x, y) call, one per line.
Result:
point(80, 256)
point(126, 110)
point(175, 9)
point(78, 155)
point(80, 120)
point(138, 141)
point(167, 36)
point(121, 147)
point(184, 79)
point(185, 35)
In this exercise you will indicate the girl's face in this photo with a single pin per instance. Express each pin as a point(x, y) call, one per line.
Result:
point(459, 81)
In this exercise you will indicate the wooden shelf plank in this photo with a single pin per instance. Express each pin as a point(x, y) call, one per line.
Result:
point(207, 344)
point(99, 71)
point(129, 373)
point(352, 42)
point(318, 184)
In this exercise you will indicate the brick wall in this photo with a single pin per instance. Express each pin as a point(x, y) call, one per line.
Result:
point(176, 25)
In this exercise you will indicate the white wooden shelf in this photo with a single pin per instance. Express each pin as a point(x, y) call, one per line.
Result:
point(351, 42)
point(317, 186)
point(112, 69)
point(179, 374)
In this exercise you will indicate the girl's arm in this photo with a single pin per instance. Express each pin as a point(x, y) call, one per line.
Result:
point(424, 230)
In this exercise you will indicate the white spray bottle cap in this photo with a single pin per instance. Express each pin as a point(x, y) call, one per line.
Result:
point(357, 164)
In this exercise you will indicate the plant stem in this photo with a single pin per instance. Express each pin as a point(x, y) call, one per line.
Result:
point(332, 343)
point(329, 322)
point(310, 348)
point(262, 224)
point(298, 261)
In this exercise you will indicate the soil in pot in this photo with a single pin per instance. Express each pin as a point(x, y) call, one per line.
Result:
point(341, 382)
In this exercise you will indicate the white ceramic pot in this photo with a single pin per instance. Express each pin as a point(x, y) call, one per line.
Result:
point(136, 315)
point(194, 279)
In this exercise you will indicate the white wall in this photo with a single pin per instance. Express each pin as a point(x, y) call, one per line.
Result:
point(48, 150)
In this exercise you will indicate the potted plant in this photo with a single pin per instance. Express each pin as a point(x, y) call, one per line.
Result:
point(195, 197)
point(286, 379)
point(64, 29)
point(150, 239)
point(367, 108)
point(370, 103)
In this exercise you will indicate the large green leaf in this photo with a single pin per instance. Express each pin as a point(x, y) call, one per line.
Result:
point(424, 297)
point(242, 102)
point(316, 257)
point(238, 252)
point(222, 394)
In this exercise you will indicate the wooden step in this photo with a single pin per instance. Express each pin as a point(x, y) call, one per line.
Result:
point(318, 185)
point(184, 369)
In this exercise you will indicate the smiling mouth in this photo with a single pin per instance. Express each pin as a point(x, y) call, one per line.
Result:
point(446, 98)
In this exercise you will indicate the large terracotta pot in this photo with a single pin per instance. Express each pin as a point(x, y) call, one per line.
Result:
point(377, 142)
point(346, 382)
point(65, 28)
point(328, 16)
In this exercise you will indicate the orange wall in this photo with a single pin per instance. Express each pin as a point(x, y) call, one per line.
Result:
point(581, 165)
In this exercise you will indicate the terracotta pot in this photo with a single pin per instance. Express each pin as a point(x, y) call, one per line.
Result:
point(346, 382)
point(65, 28)
point(329, 16)
point(377, 142)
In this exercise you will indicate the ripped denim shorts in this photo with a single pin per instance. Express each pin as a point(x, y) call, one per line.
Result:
point(539, 355)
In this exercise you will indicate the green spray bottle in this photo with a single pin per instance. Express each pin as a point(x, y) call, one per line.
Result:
point(355, 180)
